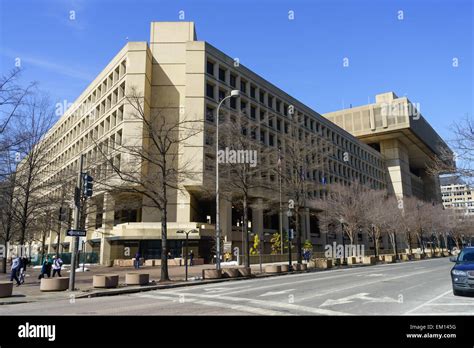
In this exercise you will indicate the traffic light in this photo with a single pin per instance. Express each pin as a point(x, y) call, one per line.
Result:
point(63, 213)
point(87, 185)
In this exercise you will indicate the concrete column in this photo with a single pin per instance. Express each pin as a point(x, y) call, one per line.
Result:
point(107, 226)
point(183, 209)
point(396, 160)
point(225, 211)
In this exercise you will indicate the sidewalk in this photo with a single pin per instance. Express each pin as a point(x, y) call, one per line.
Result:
point(30, 290)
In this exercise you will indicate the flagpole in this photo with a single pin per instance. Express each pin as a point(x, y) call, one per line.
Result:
point(281, 211)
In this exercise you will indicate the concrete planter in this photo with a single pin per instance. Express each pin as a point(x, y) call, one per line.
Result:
point(211, 274)
point(352, 260)
point(245, 271)
point(230, 272)
point(304, 267)
point(389, 258)
point(285, 268)
point(273, 269)
point(54, 284)
point(150, 263)
point(323, 263)
point(404, 257)
point(381, 258)
point(369, 260)
point(105, 280)
point(437, 254)
point(137, 278)
point(6, 289)
point(429, 255)
point(445, 253)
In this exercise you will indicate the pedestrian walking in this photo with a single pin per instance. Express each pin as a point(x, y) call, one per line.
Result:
point(45, 268)
point(57, 264)
point(16, 264)
point(191, 258)
point(23, 264)
point(137, 260)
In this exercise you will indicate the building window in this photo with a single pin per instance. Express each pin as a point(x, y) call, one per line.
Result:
point(278, 125)
point(253, 112)
point(210, 90)
point(243, 107)
point(271, 140)
point(252, 91)
point(221, 94)
point(270, 101)
point(222, 74)
point(243, 86)
point(233, 103)
point(209, 114)
point(233, 80)
point(210, 68)
point(278, 105)
point(262, 97)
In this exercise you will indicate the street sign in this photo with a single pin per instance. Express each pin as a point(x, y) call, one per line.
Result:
point(227, 247)
point(291, 234)
point(76, 233)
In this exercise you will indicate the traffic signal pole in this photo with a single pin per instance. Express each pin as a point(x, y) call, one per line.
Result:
point(77, 211)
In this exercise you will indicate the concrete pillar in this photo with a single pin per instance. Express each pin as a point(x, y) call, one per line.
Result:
point(183, 209)
point(107, 226)
point(396, 160)
point(225, 215)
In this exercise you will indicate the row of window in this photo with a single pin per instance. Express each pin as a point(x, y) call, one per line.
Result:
point(220, 75)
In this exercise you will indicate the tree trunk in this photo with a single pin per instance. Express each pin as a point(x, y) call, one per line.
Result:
point(164, 247)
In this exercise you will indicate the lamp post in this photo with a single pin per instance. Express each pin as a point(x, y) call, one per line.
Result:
point(186, 250)
point(233, 93)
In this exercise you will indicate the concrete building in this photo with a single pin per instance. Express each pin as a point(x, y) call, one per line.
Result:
point(457, 195)
point(395, 128)
point(181, 76)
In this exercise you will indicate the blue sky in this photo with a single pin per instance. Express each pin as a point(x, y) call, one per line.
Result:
point(304, 56)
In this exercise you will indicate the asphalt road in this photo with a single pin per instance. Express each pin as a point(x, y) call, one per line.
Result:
point(409, 288)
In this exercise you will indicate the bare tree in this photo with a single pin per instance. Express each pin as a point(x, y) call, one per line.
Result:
point(246, 175)
point(34, 120)
point(151, 165)
point(305, 157)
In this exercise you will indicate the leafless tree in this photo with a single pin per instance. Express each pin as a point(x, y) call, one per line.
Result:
point(151, 165)
point(304, 156)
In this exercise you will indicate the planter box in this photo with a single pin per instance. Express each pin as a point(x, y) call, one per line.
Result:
point(54, 284)
point(6, 289)
point(304, 267)
point(137, 278)
point(150, 263)
point(351, 260)
point(245, 271)
point(429, 255)
point(445, 253)
point(230, 272)
point(105, 280)
point(285, 268)
point(389, 258)
point(273, 269)
point(323, 263)
point(437, 254)
point(369, 260)
point(211, 274)
point(404, 257)
point(381, 258)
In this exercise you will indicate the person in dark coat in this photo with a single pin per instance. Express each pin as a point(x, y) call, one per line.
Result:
point(137, 260)
point(45, 268)
point(191, 258)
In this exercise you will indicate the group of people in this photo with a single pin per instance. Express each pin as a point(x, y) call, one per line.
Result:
point(55, 264)
point(136, 260)
point(19, 264)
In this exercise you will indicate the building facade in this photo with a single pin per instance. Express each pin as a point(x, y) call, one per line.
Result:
point(184, 77)
point(457, 195)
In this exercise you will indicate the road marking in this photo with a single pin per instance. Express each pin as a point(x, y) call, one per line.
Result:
point(271, 293)
point(362, 296)
point(272, 304)
point(301, 299)
point(241, 308)
point(371, 275)
point(428, 302)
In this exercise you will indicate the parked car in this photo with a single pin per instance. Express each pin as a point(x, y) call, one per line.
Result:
point(462, 274)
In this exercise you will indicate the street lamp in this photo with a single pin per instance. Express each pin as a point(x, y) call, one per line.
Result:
point(186, 249)
point(233, 94)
